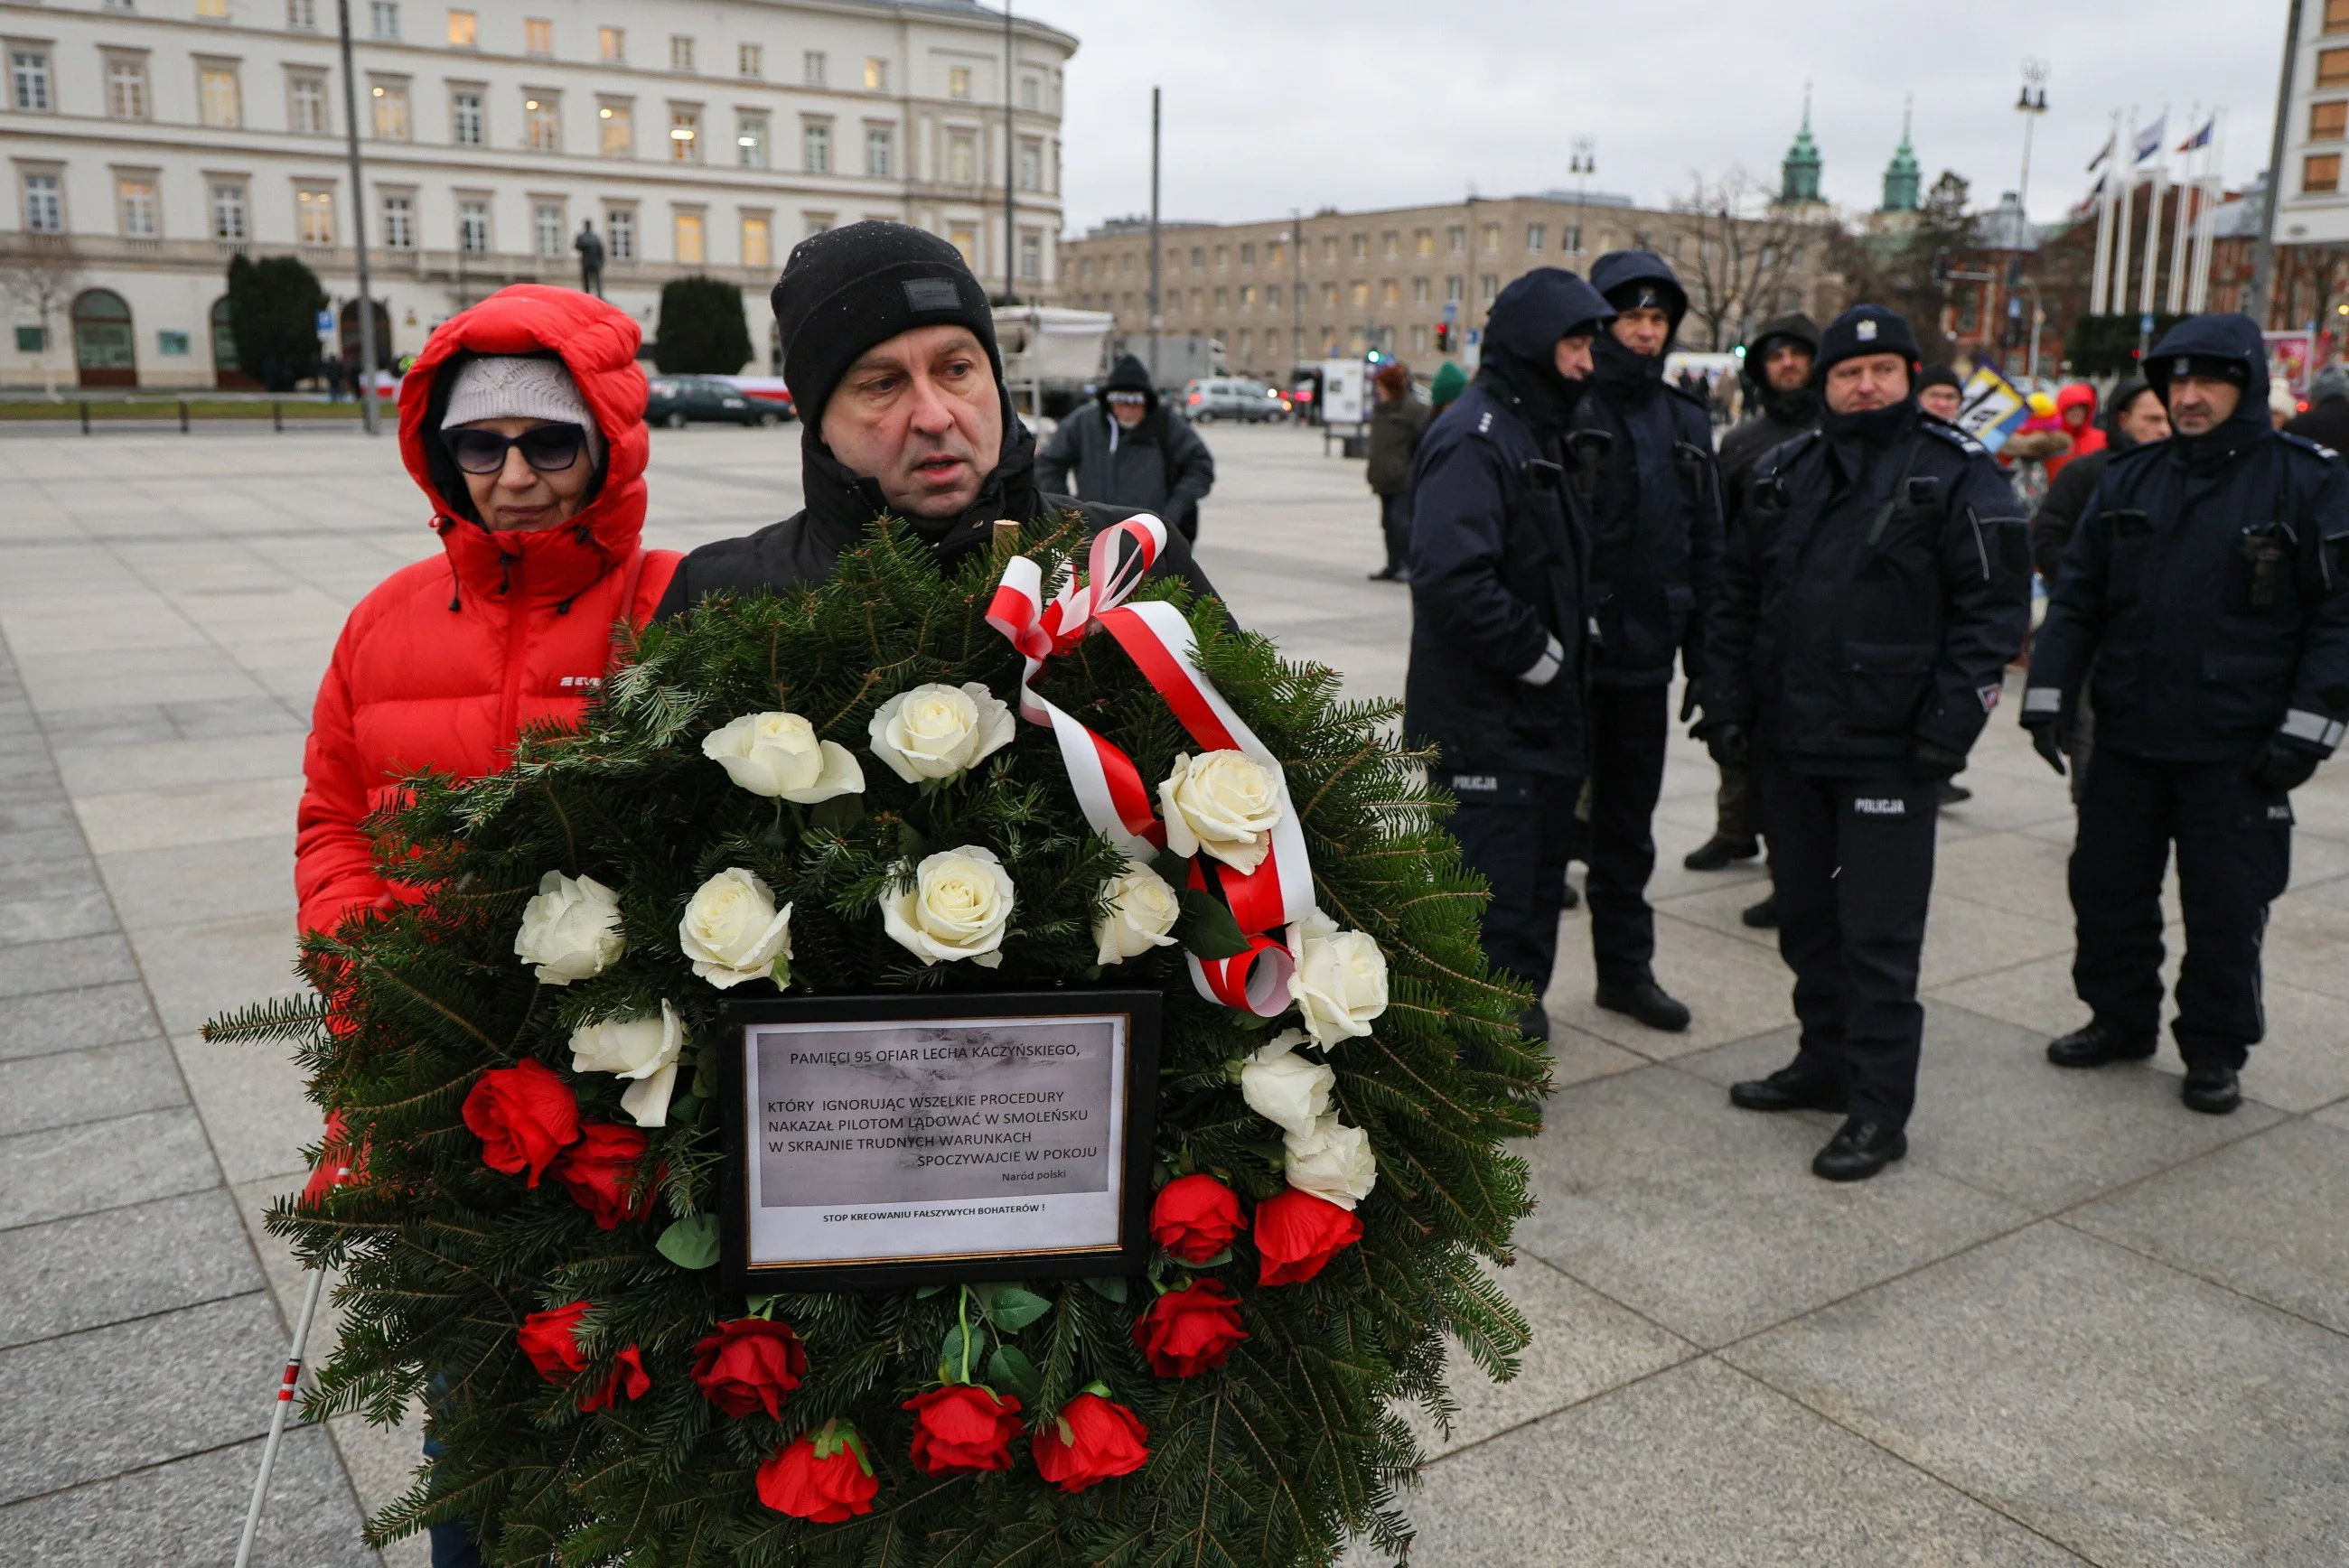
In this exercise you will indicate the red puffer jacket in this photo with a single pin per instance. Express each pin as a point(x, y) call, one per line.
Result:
point(441, 666)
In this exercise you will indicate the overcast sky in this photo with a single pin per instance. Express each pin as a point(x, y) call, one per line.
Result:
point(1275, 104)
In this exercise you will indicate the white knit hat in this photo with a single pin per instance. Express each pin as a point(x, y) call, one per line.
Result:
point(512, 387)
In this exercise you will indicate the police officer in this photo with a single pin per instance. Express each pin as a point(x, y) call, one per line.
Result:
point(2204, 600)
point(1866, 618)
point(1500, 618)
point(1646, 446)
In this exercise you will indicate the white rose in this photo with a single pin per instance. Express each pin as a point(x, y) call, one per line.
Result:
point(1141, 911)
point(955, 908)
point(1285, 1088)
point(1332, 1160)
point(777, 755)
point(1224, 803)
point(645, 1049)
point(733, 932)
point(571, 931)
point(1340, 981)
point(938, 731)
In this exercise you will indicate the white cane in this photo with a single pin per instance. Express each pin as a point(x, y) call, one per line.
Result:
point(277, 1418)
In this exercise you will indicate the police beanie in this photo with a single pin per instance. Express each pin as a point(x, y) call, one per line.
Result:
point(847, 289)
point(2163, 368)
point(1864, 329)
point(1939, 375)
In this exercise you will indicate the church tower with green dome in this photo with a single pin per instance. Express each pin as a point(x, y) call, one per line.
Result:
point(1798, 176)
point(1902, 185)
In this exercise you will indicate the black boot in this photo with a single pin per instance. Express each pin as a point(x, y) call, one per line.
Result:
point(1763, 916)
point(1950, 793)
point(1534, 1022)
point(1788, 1088)
point(1859, 1151)
point(1718, 852)
point(2213, 1090)
point(1390, 572)
point(1646, 1002)
point(1569, 897)
point(2097, 1043)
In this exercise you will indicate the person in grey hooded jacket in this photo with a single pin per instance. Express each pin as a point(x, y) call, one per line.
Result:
point(1126, 449)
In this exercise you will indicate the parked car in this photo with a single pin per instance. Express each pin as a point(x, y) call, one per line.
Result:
point(678, 400)
point(1232, 397)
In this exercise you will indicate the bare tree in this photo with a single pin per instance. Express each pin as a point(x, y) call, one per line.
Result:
point(1740, 250)
point(42, 275)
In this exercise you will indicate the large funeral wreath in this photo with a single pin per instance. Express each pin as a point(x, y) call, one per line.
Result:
point(833, 791)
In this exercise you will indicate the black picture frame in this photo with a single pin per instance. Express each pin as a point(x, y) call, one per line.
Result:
point(1142, 1010)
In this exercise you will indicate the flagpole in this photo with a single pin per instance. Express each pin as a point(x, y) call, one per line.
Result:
point(2125, 164)
point(2214, 164)
point(2100, 290)
point(2153, 220)
point(2176, 294)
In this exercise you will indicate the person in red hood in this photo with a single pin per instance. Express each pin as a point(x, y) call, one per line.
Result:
point(2075, 414)
point(523, 423)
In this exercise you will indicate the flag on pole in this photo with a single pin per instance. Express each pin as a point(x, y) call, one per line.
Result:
point(2103, 153)
point(2200, 138)
point(2149, 140)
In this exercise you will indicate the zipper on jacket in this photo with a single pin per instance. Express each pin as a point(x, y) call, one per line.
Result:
point(517, 637)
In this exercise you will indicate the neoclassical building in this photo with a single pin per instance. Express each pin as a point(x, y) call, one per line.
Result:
point(147, 141)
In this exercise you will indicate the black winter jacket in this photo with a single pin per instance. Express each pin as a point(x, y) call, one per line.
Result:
point(2059, 509)
point(1160, 467)
point(1872, 598)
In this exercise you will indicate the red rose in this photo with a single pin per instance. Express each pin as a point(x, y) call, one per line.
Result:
point(601, 1168)
point(1187, 1332)
point(748, 1364)
point(551, 1340)
point(963, 1426)
point(1196, 1217)
point(1094, 1440)
point(627, 1379)
point(823, 1479)
point(524, 1116)
point(1298, 1232)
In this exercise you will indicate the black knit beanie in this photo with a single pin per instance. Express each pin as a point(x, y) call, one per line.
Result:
point(846, 289)
point(1939, 375)
point(1864, 329)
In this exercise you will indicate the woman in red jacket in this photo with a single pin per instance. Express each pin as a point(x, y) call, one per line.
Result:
point(523, 423)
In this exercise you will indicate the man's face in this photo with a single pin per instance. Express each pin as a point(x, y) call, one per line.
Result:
point(2145, 419)
point(1786, 366)
point(1866, 381)
point(1642, 329)
point(1573, 356)
point(1128, 407)
point(1940, 401)
point(920, 416)
point(2199, 404)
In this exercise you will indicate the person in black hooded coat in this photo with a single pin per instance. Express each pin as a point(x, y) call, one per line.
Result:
point(1645, 448)
point(1147, 459)
point(893, 315)
point(1500, 605)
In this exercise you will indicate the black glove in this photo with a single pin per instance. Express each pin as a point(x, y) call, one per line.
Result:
point(2283, 766)
point(1937, 764)
point(1688, 702)
point(1729, 744)
point(2047, 739)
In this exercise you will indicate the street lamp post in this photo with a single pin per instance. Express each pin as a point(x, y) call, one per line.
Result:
point(358, 222)
point(2255, 301)
point(1584, 165)
point(2031, 104)
point(1155, 318)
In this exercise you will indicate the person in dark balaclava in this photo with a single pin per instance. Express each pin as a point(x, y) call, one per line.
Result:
point(889, 351)
point(1879, 588)
point(1129, 450)
point(1501, 611)
point(1644, 448)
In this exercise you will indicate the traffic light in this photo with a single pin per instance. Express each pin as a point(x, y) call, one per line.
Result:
point(1443, 337)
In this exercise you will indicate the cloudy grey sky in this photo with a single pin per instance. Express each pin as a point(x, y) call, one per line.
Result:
point(1275, 104)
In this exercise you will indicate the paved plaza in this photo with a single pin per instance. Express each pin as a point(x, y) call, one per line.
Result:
point(2079, 1324)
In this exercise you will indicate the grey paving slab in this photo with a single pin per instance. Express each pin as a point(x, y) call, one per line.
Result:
point(103, 1165)
point(205, 966)
point(1733, 989)
point(2133, 1412)
point(28, 967)
point(1698, 1466)
point(1707, 1219)
point(69, 1020)
point(91, 1270)
point(186, 884)
point(70, 909)
point(38, 1092)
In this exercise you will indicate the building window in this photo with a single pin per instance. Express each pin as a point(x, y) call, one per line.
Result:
point(313, 217)
point(465, 119)
point(2332, 67)
point(135, 198)
point(879, 148)
point(1419, 340)
point(126, 87)
point(689, 239)
point(618, 121)
point(464, 30)
point(958, 82)
point(1536, 236)
point(684, 134)
point(390, 100)
point(1456, 289)
point(302, 16)
point(680, 53)
point(1492, 239)
point(758, 243)
point(962, 158)
point(175, 343)
point(1360, 249)
point(399, 222)
point(219, 103)
point(1456, 238)
point(1489, 286)
point(45, 211)
point(1389, 245)
point(1032, 166)
point(474, 226)
point(28, 81)
point(2321, 172)
point(815, 144)
point(964, 238)
point(1248, 296)
point(2327, 122)
point(548, 228)
point(818, 222)
point(1390, 291)
point(749, 61)
point(1272, 296)
point(612, 44)
point(620, 233)
point(383, 18)
point(750, 140)
point(307, 98)
point(1198, 258)
point(1362, 294)
point(1032, 94)
point(2337, 16)
point(876, 76)
point(813, 67)
point(1423, 242)
point(1571, 238)
point(542, 122)
point(537, 35)
point(228, 211)
point(1420, 291)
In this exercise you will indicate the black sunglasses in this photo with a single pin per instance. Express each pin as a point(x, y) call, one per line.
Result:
point(549, 448)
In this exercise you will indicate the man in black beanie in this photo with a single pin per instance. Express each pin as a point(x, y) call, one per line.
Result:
point(1858, 647)
point(889, 351)
point(1941, 394)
